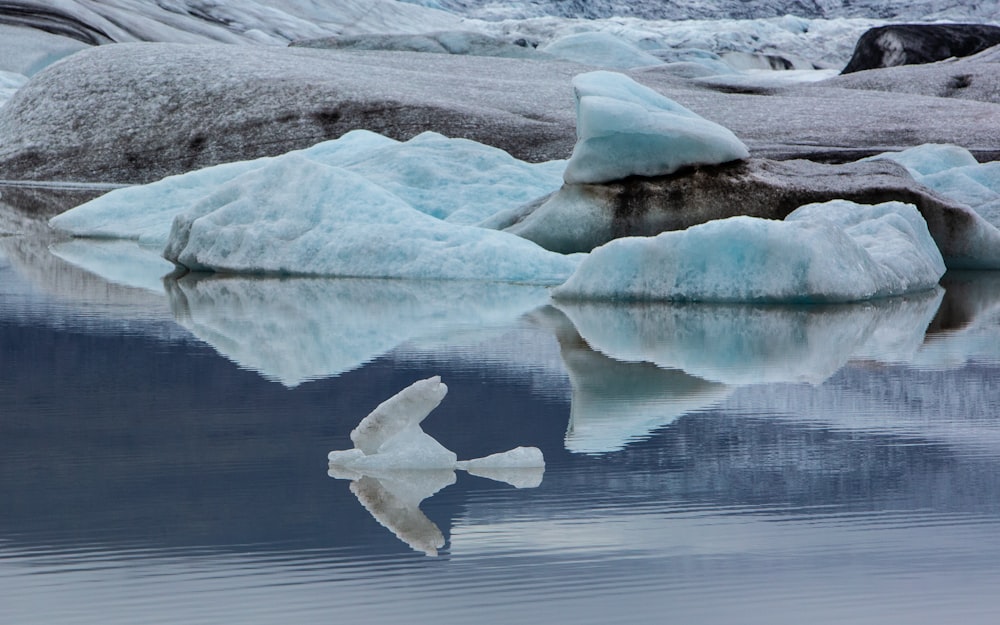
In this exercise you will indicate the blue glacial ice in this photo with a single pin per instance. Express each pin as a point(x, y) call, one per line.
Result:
point(295, 216)
point(626, 129)
point(453, 179)
point(833, 252)
point(954, 172)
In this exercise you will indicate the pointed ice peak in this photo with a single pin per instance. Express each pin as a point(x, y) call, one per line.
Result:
point(626, 129)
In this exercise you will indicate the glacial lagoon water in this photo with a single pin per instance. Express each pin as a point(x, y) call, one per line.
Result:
point(163, 454)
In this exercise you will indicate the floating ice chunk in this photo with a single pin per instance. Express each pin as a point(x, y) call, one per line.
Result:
point(832, 252)
point(395, 465)
point(409, 449)
point(517, 458)
point(145, 212)
point(298, 217)
point(625, 129)
point(600, 49)
point(390, 438)
point(521, 467)
point(454, 179)
point(406, 408)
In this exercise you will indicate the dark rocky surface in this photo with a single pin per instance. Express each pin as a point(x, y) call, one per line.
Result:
point(134, 113)
point(915, 44)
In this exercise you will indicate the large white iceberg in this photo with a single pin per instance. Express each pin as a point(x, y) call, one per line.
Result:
point(294, 216)
point(832, 252)
point(626, 129)
point(453, 179)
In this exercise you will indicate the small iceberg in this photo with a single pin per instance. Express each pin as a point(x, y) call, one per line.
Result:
point(395, 465)
point(390, 438)
point(836, 251)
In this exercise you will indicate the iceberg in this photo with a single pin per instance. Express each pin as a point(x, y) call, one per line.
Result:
point(837, 251)
point(955, 173)
point(390, 438)
point(626, 129)
point(295, 216)
point(453, 179)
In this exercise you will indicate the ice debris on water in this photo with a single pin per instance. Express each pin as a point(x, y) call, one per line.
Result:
point(395, 465)
point(390, 438)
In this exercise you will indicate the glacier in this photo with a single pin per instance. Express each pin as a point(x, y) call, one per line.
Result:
point(626, 129)
point(833, 252)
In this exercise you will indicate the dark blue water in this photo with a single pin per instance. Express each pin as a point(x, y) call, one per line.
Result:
point(163, 455)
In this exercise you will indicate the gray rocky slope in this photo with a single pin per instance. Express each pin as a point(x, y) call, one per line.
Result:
point(137, 112)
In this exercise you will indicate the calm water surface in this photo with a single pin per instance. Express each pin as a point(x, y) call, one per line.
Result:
point(163, 453)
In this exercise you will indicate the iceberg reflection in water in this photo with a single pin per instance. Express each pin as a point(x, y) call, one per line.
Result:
point(297, 329)
point(636, 367)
